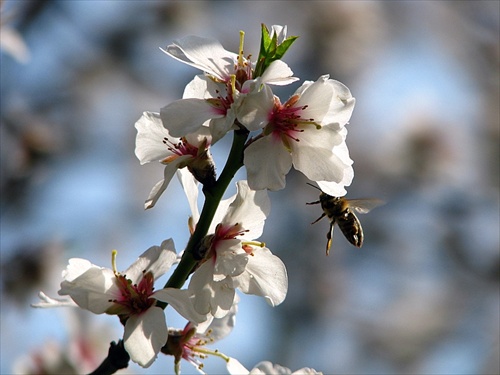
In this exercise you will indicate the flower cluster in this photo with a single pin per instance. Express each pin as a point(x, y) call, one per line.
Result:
point(224, 254)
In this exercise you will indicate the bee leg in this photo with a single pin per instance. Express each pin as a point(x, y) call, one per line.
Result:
point(313, 202)
point(329, 237)
point(319, 218)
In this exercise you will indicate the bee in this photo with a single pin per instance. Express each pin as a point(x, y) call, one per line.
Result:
point(340, 210)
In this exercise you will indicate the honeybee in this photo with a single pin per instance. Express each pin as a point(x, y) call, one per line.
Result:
point(340, 210)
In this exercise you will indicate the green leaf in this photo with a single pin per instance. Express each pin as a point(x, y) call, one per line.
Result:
point(265, 42)
point(270, 50)
point(283, 47)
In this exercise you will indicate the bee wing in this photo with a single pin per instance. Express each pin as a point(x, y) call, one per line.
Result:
point(364, 205)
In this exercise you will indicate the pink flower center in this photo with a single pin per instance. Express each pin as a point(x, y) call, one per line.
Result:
point(134, 298)
point(223, 233)
point(221, 104)
point(228, 232)
point(190, 345)
point(243, 74)
point(181, 148)
point(285, 120)
point(233, 82)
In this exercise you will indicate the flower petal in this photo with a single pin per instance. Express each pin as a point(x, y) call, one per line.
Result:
point(223, 297)
point(267, 162)
point(91, 290)
point(231, 259)
point(201, 278)
point(156, 259)
point(162, 185)
point(234, 367)
point(220, 213)
point(279, 31)
point(203, 53)
point(182, 302)
point(341, 105)
point(327, 94)
point(255, 108)
point(220, 126)
point(200, 138)
point(47, 301)
point(337, 189)
point(76, 267)
point(265, 276)
point(307, 371)
point(266, 367)
point(149, 144)
point(190, 186)
point(278, 73)
point(217, 329)
point(144, 336)
point(211, 297)
point(314, 154)
point(186, 116)
point(317, 96)
point(203, 87)
point(250, 208)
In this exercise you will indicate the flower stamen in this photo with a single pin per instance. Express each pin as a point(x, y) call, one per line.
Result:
point(114, 253)
point(248, 246)
point(240, 51)
point(285, 121)
point(179, 149)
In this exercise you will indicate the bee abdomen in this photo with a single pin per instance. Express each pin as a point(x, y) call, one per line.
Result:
point(351, 228)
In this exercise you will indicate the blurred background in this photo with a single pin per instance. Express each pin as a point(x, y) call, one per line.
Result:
point(421, 296)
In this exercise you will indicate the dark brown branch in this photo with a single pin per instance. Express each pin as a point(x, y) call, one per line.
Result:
point(117, 359)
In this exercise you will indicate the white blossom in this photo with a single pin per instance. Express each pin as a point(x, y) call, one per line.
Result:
point(154, 143)
point(128, 294)
point(266, 368)
point(214, 98)
point(191, 342)
point(234, 259)
point(308, 132)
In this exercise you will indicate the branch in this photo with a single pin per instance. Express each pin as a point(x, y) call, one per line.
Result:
point(116, 360)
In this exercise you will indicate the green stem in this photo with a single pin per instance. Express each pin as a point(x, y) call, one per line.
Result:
point(213, 196)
